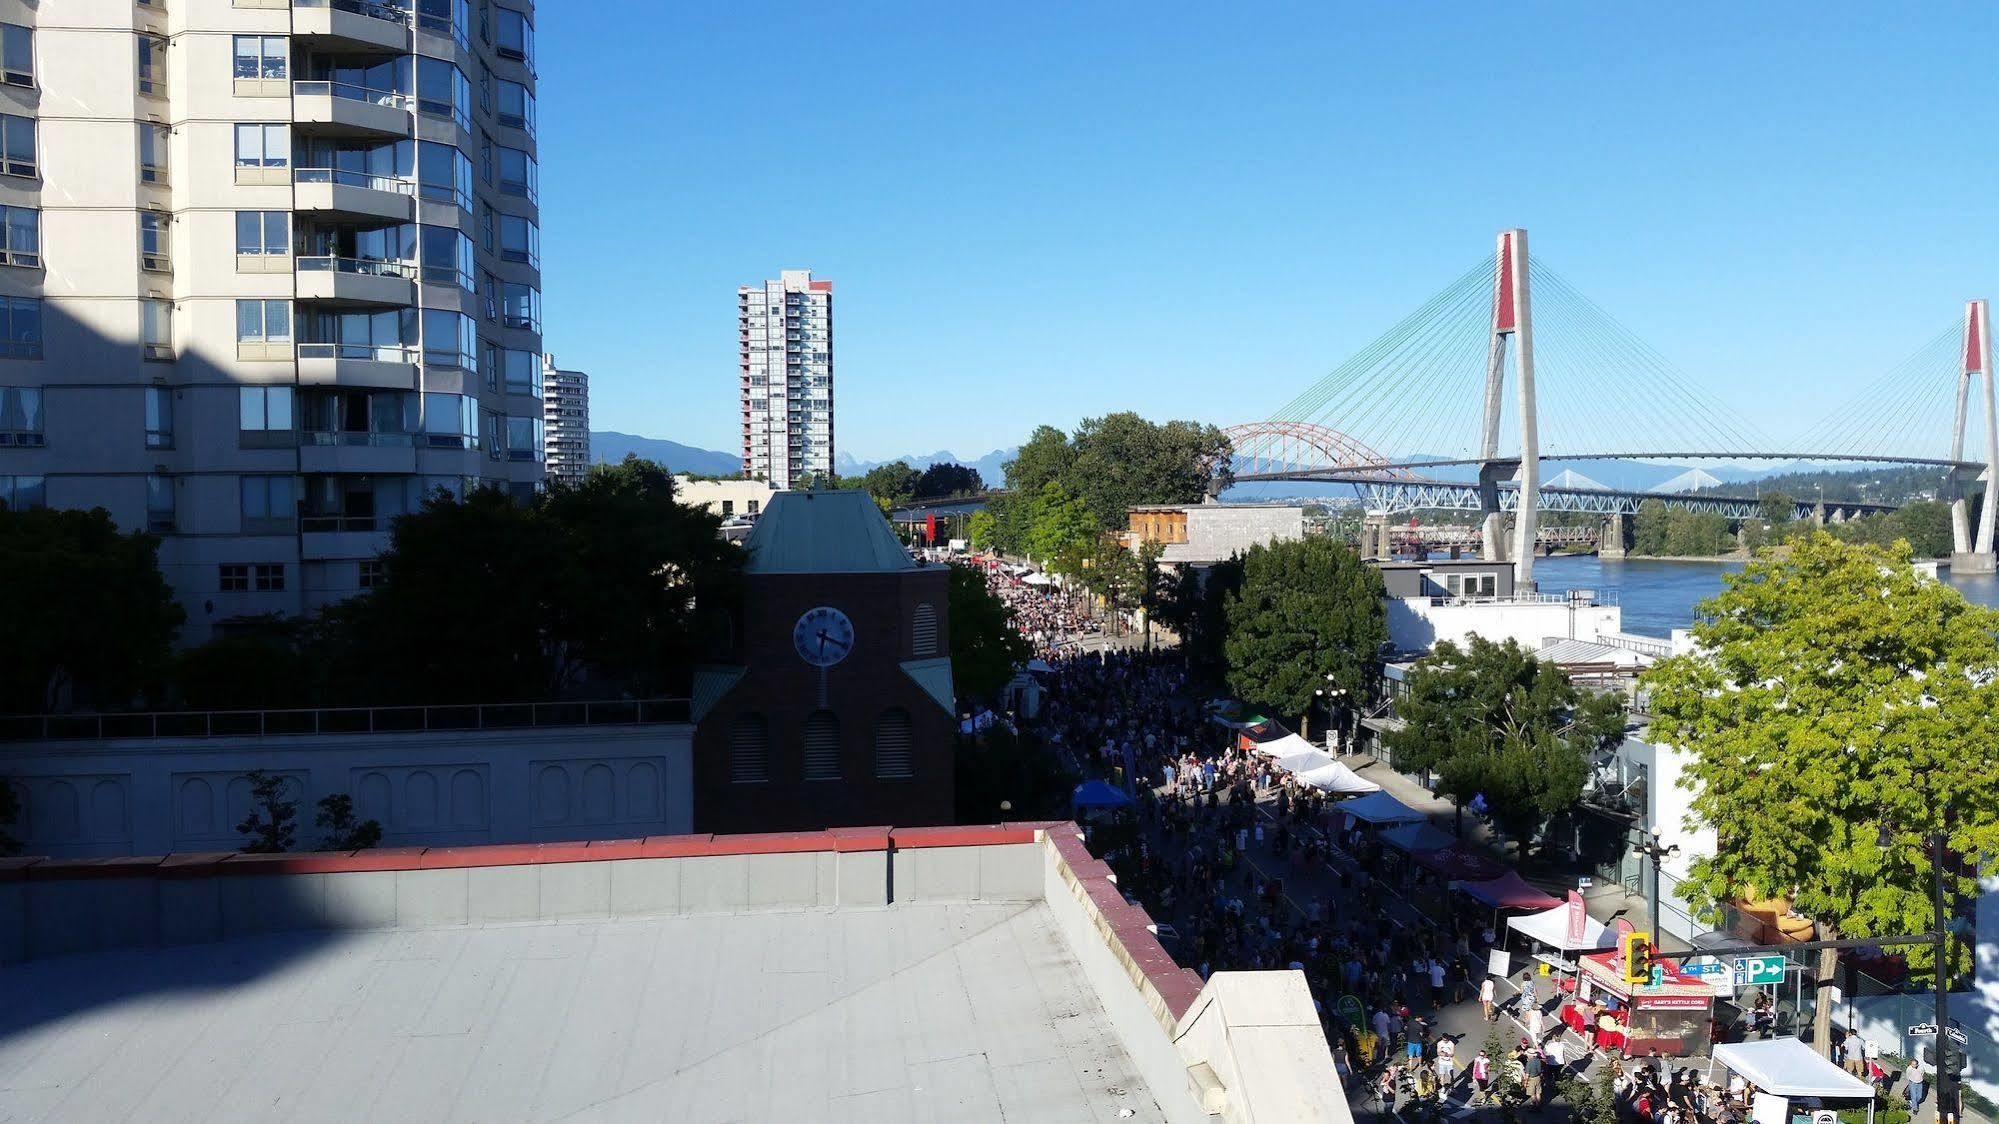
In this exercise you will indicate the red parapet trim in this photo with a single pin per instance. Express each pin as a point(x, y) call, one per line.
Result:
point(492, 854)
point(604, 850)
point(848, 839)
point(772, 843)
point(192, 864)
point(822, 286)
point(307, 862)
point(121, 866)
point(16, 869)
point(676, 846)
point(912, 838)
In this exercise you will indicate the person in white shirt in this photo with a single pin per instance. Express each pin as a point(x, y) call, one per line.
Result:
point(1485, 997)
point(1447, 1062)
point(1557, 1052)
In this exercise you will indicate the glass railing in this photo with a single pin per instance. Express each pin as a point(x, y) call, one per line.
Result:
point(342, 177)
point(365, 267)
point(355, 440)
point(371, 352)
point(349, 91)
point(373, 9)
point(334, 524)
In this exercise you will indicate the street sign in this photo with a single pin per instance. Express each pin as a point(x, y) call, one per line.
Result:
point(1929, 1030)
point(1750, 971)
point(1713, 971)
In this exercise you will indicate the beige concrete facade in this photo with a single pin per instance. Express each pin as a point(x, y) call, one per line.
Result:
point(273, 276)
point(724, 497)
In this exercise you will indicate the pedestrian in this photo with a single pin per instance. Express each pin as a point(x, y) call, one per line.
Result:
point(1481, 1078)
point(1527, 994)
point(1426, 1089)
point(1917, 1086)
point(1531, 1070)
point(1485, 997)
point(1436, 983)
point(1556, 1051)
point(1534, 1022)
point(1384, 1089)
point(1854, 1050)
point(1447, 1061)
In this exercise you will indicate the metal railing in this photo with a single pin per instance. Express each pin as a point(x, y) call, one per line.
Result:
point(1599, 598)
point(1643, 645)
point(373, 9)
point(364, 267)
point(342, 177)
point(341, 720)
point(349, 91)
point(358, 439)
point(373, 352)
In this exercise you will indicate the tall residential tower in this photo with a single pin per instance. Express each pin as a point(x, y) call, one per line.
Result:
point(566, 400)
point(270, 273)
point(786, 333)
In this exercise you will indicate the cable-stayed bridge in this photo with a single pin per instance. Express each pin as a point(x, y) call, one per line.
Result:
point(1510, 367)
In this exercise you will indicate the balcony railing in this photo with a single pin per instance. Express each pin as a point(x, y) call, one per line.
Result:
point(374, 9)
point(334, 524)
point(365, 267)
point(349, 91)
point(341, 720)
point(343, 439)
point(372, 352)
point(343, 177)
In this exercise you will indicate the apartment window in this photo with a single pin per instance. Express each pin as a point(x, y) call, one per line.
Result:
point(373, 573)
point(159, 503)
point(520, 240)
point(893, 756)
point(749, 749)
point(17, 54)
point(21, 236)
point(157, 326)
point(268, 577)
point(270, 504)
point(22, 326)
point(152, 153)
point(520, 306)
point(728, 507)
point(265, 409)
point(485, 88)
point(489, 293)
point(153, 242)
point(450, 339)
point(263, 321)
point(446, 257)
point(524, 439)
point(486, 227)
point(153, 65)
point(513, 36)
point(17, 145)
point(442, 91)
point(19, 493)
point(443, 173)
point(233, 577)
point(519, 174)
point(822, 746)
point(263, 146)
point(516, 106)
point(159, 417)
point(21, 416)
point(520, 370)
point(451, 421)
point(262, 56)
point(263, 232)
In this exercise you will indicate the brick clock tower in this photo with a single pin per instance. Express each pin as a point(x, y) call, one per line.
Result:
point(831, 704)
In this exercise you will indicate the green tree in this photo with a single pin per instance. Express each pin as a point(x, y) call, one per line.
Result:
point(1309, 615)
point(1122, 460)
point(1775, 508)
point(1193, 602)
point(271, 825)
point(1060, 530)
point(983, 529)
point(945, 478)
point(1925, 526)
point(258, 665)
point(1496, 721)
point(1839, 708)
point(342, 831)
point(1648, 528)
point(1002, 775)
point(91, 619)
point(1042, 460)
point(892, 484)
point(986, 648)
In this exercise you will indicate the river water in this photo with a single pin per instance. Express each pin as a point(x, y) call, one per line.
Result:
point(1658, 597)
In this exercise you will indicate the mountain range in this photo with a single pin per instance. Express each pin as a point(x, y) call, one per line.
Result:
point(610, 447)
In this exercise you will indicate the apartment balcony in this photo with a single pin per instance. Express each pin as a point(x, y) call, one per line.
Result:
point(386, 366)
point(343, 109)
point(371, 454)
point(341, 195)
point(352, 25)
point(328, 538)
point(356, 281)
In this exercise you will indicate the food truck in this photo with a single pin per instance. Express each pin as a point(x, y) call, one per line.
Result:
point(1673, 1017)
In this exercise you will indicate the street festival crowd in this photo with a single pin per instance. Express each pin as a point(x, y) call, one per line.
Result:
point(1322, 901)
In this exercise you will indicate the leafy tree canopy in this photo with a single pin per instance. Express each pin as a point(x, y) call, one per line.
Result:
point(1839, 708)
point(891, 484)
point(985, 646)
point(947, 479)
point(1307, 609)
point(92, 620)
point(1122, 460)
point(1060, 531)
point(1495, 720)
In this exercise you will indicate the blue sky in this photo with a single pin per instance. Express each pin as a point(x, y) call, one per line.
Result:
point(1047, 211)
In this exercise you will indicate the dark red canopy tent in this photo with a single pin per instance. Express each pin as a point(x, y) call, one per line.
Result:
point(1508, 891)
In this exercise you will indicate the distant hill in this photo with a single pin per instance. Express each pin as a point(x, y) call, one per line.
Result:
point(991, 466)
point(610, 448)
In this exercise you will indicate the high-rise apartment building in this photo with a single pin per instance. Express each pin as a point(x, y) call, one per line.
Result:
point(786, 330)
point(566, 410)
point(269, 275)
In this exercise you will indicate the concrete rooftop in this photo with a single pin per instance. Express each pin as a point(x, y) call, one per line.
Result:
point(974, 1011)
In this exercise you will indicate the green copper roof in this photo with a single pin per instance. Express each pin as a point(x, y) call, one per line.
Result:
point(824, 533)
point(934, 676)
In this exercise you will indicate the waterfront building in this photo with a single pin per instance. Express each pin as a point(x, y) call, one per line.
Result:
point(269, 274)
point(566, 414)
point(1203, 534)
point(785, 336)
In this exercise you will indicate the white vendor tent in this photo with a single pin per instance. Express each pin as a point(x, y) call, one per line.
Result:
point(1789, 1068)
point(1286, 746)
point(1380, 808)
point(1037, 579)
point(1304, 761)
point(1551, 928)
point(1335, 777)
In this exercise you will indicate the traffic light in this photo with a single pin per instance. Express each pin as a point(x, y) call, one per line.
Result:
point(1637, 958)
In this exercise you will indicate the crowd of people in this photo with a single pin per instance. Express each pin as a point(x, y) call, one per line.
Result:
point(1049, 619)
point(1245, 869)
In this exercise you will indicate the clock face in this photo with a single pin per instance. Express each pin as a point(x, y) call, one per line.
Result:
point(823, 636)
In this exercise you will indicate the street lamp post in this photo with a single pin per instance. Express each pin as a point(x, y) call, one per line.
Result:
point(1651, 849)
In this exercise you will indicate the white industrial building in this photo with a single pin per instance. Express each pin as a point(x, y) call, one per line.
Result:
point(785, 330)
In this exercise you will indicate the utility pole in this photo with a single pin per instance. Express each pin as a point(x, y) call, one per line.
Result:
point(1946, 1090)
point(1650, 849)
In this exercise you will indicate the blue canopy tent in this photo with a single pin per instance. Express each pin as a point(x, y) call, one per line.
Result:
point(1099, 794)
point(1416, 837)
point(1380, 808)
